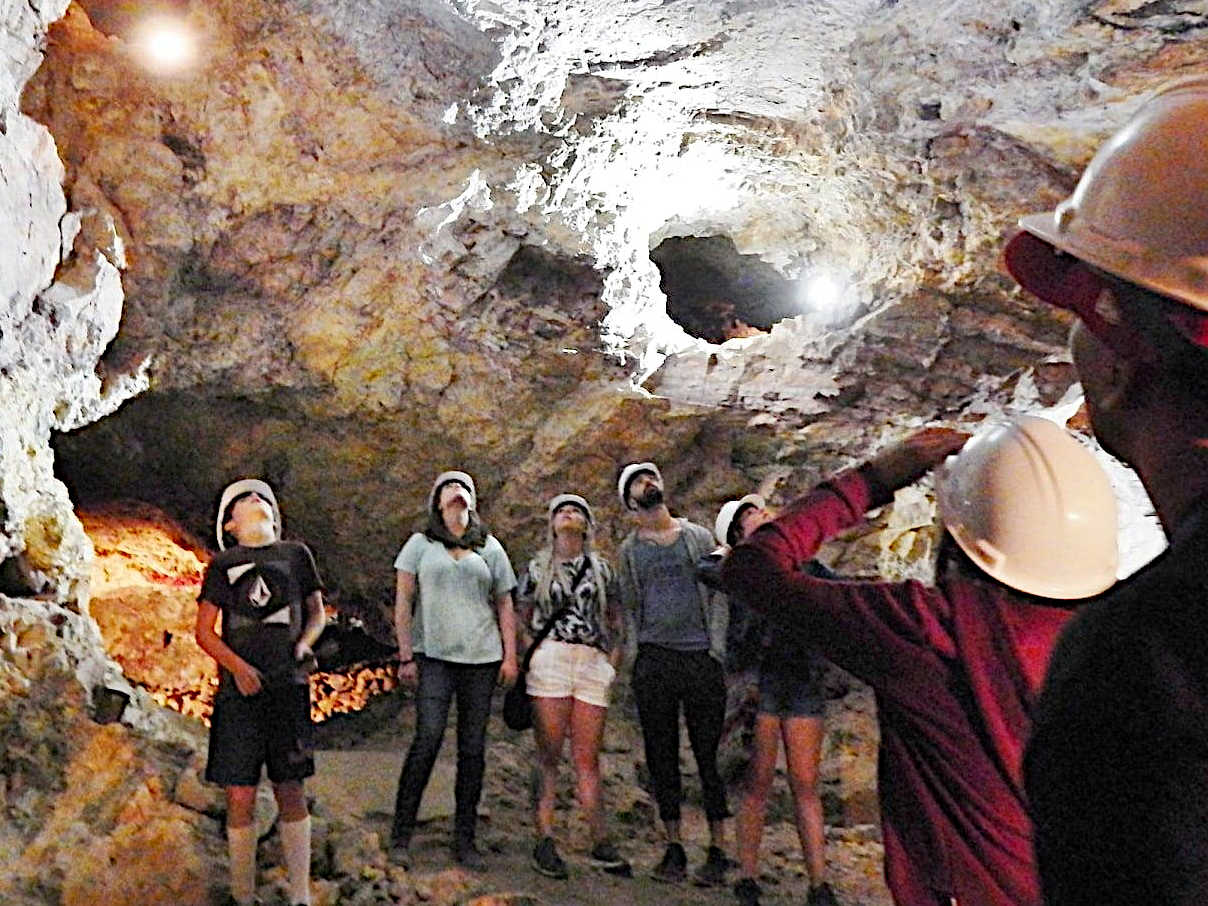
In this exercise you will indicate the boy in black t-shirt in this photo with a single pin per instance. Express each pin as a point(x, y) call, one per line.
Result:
point(271, 601)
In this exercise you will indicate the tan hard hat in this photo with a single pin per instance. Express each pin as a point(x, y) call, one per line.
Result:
point(1140, 210)
point(1032, 507)
point(729, 512)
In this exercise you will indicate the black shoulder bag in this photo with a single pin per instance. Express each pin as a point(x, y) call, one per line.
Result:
point(517, 705)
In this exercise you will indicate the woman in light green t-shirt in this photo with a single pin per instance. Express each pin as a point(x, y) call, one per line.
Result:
point(456, 630)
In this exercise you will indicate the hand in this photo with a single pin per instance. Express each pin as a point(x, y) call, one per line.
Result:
point(247, 678)
point(305, 656)
point(906, 462)
point(408, 674)
point(508, 673)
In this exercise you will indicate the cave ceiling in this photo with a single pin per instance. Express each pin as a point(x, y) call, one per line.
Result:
point(363, 242)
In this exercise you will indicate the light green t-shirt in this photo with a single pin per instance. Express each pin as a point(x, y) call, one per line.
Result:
point(454, 617)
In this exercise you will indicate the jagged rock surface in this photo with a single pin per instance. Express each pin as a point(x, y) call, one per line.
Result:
point(370, 241)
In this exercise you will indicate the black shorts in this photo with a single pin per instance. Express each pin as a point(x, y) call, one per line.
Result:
point(271, 728)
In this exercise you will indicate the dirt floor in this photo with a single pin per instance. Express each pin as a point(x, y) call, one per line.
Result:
point(358, 766)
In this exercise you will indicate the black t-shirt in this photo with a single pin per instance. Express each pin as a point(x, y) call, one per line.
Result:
point(1117, 766)
point(261, 592)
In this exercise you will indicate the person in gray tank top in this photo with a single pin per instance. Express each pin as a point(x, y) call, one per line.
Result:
point(680, 630)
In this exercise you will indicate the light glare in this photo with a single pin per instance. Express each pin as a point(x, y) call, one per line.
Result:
point(166, 45)
point(821, 291)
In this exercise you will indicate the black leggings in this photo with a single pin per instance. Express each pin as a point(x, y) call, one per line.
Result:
point(439, 681)
point(663, 680)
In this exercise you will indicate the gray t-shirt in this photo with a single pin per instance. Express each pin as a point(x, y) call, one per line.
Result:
point(671, 609)
point(454, 617)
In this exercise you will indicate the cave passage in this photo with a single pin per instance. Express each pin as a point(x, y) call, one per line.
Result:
point(717, 294)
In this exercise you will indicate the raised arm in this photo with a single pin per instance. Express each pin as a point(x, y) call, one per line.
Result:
point(886, 633)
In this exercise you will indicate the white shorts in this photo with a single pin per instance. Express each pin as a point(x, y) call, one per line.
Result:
point(563, 670)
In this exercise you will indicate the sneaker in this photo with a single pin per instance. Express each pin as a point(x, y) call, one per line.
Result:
point(467, 854)
point(399, 854)
point(747, 892)
point(546, 860)
point(822, 895)
point(674, 867)
point(713, 872)
point(604, 855)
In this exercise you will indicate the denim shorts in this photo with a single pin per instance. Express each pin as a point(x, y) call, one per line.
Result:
point(793, 690)
point(563, 670)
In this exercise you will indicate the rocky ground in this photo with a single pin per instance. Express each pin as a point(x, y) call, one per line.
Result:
point(362, 754)
point(144, 584)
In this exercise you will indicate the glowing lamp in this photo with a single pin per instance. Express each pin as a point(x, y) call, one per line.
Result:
point(166, 45)
point(821, 291)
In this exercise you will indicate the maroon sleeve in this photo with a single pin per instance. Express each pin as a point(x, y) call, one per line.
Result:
point(892, 635)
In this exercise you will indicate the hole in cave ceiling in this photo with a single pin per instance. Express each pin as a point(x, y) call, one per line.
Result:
point(717, 294)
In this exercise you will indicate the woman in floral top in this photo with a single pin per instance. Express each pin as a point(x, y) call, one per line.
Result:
point(571, 672)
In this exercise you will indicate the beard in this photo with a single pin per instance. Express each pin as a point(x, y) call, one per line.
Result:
point(650, 498)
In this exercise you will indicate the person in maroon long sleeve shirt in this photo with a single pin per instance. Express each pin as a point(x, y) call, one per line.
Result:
point(955, 668)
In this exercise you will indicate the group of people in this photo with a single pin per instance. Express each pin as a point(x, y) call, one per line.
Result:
point(458, 624)
point(1044, 730)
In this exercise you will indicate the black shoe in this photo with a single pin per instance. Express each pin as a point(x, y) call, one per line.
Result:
point(747, 892)
point(399, 854)
point(674, 867)
point(822, 895)
point(546, 860)
point(713, 872)
point(604, 855)
point(468, 855)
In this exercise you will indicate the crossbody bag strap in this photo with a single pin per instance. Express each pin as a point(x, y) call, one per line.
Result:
point(559, 614)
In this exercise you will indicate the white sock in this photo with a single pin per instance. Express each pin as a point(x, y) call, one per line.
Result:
point(295, 841)
point(241, 848)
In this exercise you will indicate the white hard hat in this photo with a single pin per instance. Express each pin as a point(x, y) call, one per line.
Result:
point(238, 489)
point(1032, 507)
point(575, 499)
point(461, 478)
point(729, 512)
point(629, 473)
point(1139, 212)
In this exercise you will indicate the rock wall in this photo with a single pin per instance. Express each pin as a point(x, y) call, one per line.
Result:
point(363, 243)
point(371, 242)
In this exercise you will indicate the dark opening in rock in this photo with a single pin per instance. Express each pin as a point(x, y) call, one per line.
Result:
point(717, 294)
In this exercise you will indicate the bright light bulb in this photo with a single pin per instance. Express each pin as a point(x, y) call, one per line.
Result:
point(166, 45)
point(821, 291)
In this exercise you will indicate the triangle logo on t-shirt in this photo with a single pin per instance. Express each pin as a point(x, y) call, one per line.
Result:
point(234, 572)
point(259, 595)
point(280, 616)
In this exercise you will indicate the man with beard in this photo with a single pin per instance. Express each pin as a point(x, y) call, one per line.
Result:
point(270, 597)
point(680, 631)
